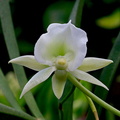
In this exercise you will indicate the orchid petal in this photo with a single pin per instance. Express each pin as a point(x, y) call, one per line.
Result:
point(58, 82)
point(62, 40)
point(37, 79)
point(92, 63)
point(28, 61)
point(87, 77)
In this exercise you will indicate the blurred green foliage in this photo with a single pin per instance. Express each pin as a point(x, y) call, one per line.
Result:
point(14, 86)
point(80, 103)
point(58, 12)
point(111, 21)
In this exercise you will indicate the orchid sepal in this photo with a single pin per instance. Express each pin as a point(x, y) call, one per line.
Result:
point(38, 78)
point(93, 63)
point(28, 61)
point(87, 77)
point(58, 82)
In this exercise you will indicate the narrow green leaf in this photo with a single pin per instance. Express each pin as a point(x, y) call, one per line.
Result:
point(108, 75)
point(110, 116)
point(9, 110)
point(67, 94)
point(76, 14)
point(7, 91)
point(8, 31)
point(66, 102)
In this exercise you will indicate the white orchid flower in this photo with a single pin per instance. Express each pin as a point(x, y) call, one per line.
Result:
point(61, 51)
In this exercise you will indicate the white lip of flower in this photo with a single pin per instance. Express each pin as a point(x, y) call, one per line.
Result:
point(61, 50)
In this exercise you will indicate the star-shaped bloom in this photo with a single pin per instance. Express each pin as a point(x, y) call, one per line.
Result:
point(60, 51)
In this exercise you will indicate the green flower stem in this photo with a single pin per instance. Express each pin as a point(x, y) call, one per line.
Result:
point(92, 96)
point(93, 108)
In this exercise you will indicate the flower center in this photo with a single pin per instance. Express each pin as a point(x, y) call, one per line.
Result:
point(61, 63)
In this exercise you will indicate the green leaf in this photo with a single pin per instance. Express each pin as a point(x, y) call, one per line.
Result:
point(9, 36)
point(66, 102)
point(108, 75)
point(76, 14)
point(110, 116)
point(7, 92)
point(9, 110)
